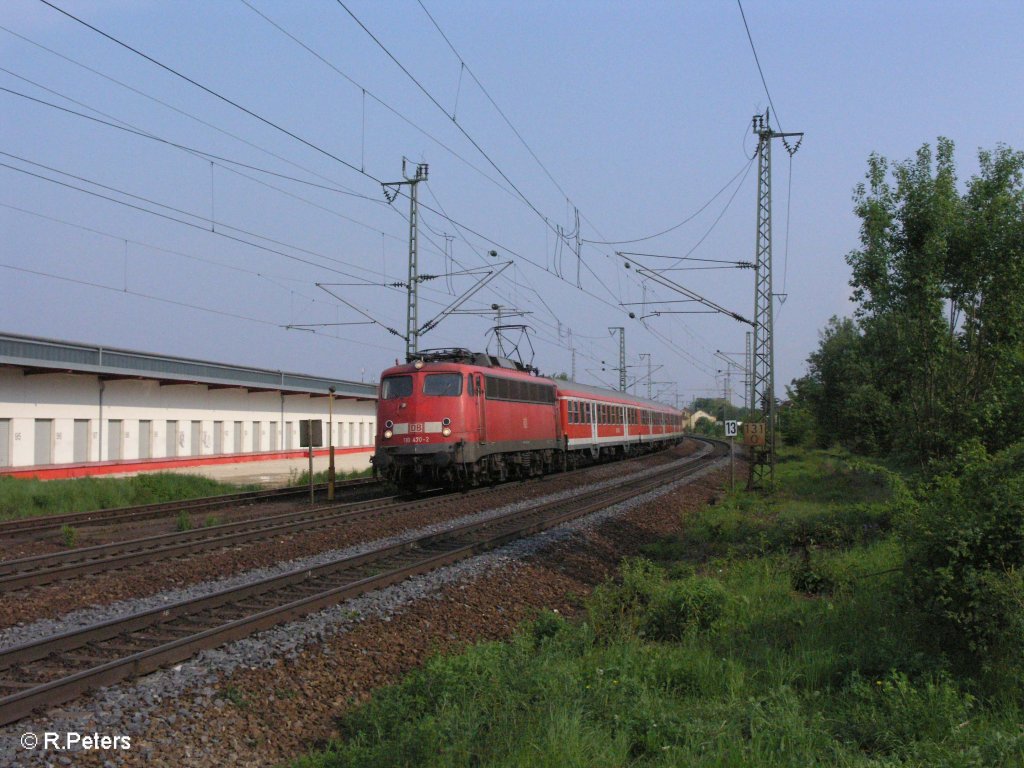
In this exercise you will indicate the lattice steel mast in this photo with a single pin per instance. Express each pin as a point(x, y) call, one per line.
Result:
point(412, 326)
point(762, 470)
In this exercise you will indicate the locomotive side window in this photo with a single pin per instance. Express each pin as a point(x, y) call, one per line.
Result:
point(500, 388)
point(396, 386)
point(469, 385)
point(442, 384)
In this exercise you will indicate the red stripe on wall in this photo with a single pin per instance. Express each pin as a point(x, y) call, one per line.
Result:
point(90, 469)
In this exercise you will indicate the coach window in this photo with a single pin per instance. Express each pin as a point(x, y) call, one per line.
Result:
point(442, 384)
point(396, 386)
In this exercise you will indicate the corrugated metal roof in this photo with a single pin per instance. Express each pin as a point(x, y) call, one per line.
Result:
point(39, 353)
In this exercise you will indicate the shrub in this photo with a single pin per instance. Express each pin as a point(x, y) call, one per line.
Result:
point(613, 608)
point(646, 604)
point(679, 607)
point(889, 715)
point(965, 550)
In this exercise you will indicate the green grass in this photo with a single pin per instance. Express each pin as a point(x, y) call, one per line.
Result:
point(710, 657)
point(302, 478)
point(68, 535)
point(30, 498)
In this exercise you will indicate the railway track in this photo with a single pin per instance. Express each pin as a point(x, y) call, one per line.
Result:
point(59, 668)
point(31, 525)
point(45, 569)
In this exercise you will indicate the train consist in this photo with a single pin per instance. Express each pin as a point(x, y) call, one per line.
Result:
point(459, 418)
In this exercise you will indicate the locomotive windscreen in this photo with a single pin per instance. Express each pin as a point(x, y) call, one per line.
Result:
point(395, 386)
point(443, 384)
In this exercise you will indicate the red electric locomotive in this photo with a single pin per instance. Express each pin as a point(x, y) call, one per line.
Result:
point(459, 418)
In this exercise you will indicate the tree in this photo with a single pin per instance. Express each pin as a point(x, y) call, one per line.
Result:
point(935, 354)
point(839, 391)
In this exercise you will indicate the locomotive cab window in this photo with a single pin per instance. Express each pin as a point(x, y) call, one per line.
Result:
point(396, 386)
point(442, 384)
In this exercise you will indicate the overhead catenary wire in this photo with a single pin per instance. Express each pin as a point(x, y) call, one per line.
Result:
point(367, 92)
point(212, 92)
point(151, 246)
point(223, 162)
point(194, 225)
point(438, 104)
point(508, 122)
point(184, 147)
point(741, 172)
point(166, 105)
point(199, 217)
point(757, 61)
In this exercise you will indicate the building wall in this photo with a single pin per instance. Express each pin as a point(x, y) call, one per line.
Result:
point(698, 415)
point(112, 414)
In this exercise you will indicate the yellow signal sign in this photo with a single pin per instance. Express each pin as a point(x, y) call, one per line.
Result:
point(754, 434)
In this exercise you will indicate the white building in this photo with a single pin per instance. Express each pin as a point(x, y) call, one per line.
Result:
point(69, 409)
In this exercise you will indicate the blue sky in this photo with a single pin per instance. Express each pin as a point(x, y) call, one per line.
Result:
point(639, 113)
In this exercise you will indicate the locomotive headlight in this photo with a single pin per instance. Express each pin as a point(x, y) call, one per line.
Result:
point(389, 424)
point(418, 364)
point(387, 434)
point(446, 422)
point(447, 431)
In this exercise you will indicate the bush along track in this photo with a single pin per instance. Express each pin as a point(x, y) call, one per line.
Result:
point(784, 632)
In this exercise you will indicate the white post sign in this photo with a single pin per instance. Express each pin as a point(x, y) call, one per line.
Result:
point(730, 429)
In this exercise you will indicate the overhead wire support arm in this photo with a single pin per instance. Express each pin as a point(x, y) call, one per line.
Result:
point(672, 284)
point(488, 276)
point(311, 326)
point(685, 258)
point(327, 287)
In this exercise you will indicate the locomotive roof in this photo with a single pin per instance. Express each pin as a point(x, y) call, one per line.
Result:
point(464, 356)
